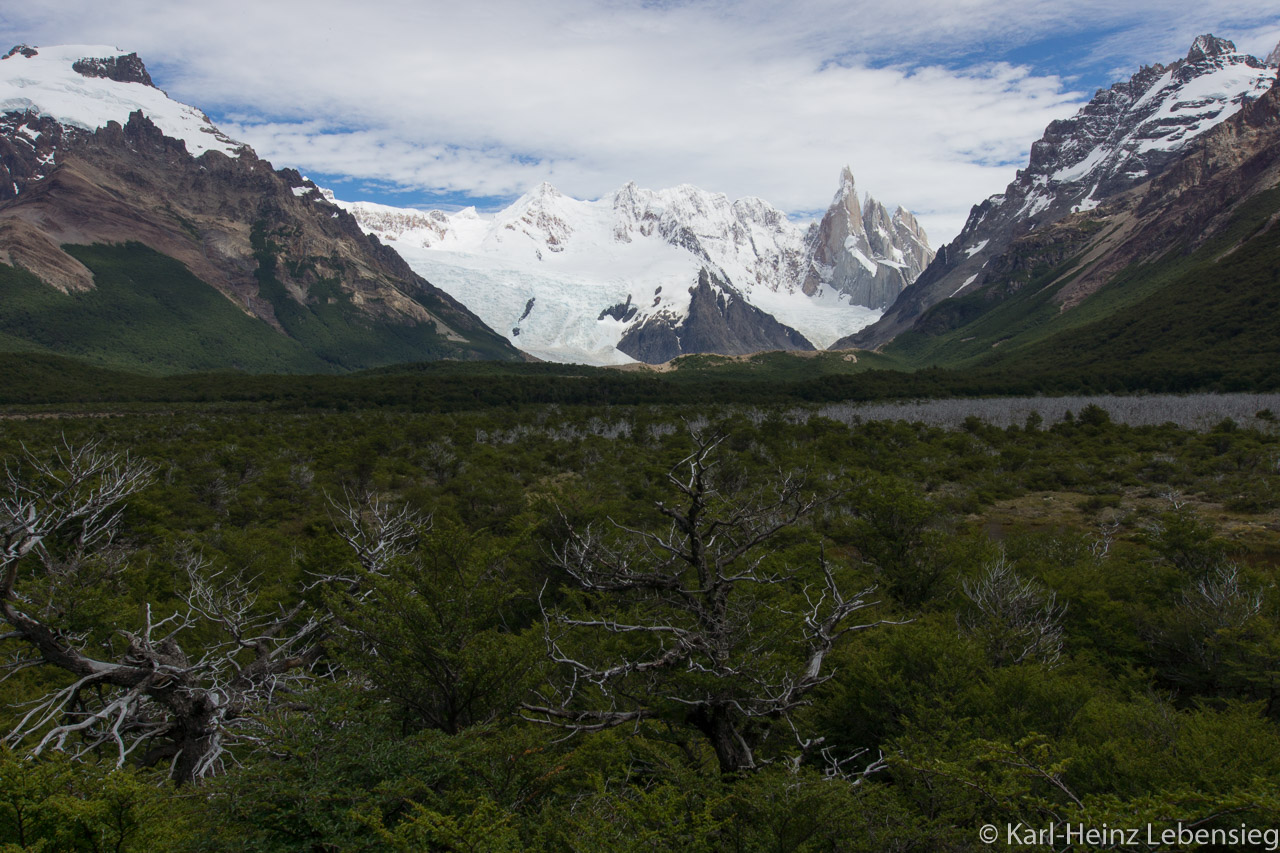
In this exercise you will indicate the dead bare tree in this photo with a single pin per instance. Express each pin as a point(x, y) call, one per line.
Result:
point(694, 625)
point(377, 531)
point(1016, 618)
point(141, 694)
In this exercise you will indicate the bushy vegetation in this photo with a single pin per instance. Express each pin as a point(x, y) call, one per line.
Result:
point(1073, 619)
point(146, 313)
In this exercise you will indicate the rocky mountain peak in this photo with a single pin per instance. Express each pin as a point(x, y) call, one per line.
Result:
point(541, 216)
point(105, 63)
point(860, 250)
point(719, 320)
point(758, 211)
point(542, 195)
point(907, 219)
point(82, 88)
point(1273, 58)
point(848, 185)
point(846, 197)
point(1209, 46)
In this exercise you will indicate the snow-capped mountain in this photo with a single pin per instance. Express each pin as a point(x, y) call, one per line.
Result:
point(1167, 285)
point(1126, 135)
point(862, 251)
point(84, 87)
point(621, 278)
point(91, 152)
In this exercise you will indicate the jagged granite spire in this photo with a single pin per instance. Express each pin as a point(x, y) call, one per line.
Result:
point(1208, 46)
point(1273, 58)
point(861, 250)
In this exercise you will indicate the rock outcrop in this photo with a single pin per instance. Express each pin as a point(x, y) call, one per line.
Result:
point(719, 321)
point(860, 250)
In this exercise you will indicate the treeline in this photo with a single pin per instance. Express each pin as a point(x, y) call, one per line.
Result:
point(34, 380)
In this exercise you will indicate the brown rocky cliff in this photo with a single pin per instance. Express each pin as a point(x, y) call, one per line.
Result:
point(1192, 200)
point(133, 183)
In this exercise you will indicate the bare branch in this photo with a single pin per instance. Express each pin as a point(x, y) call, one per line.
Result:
point(376, 531)
point(152, 694)
point(701, 603)
point(1017, 618)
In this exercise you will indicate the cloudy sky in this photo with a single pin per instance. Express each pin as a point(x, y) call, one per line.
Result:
point(933, 103)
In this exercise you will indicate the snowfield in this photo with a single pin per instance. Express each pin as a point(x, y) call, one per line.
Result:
point(545, 270)
point(47, 84)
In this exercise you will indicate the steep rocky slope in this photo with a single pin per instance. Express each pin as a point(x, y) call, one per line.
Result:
point(1123, 138)
point(274, 247)
point(1177, 275)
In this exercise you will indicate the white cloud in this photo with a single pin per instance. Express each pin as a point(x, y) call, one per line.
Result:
point(748, 98)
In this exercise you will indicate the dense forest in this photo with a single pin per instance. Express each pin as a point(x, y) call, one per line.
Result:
point(250, 625)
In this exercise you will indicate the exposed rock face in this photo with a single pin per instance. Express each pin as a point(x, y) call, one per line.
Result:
point(1191, 202)
point(749, 239)
point(540, 219)
point(28, 147)
point(1122, 138)
point(860, 250)
point(127, 68)
point(719, 321)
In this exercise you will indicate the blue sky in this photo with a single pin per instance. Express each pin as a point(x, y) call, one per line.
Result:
point(420, 102)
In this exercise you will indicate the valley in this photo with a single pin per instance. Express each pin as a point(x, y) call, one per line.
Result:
point(615, 518)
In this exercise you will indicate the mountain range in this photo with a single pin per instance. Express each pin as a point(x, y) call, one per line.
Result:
point(653, 274)
point(135, 234)
point(92, 154)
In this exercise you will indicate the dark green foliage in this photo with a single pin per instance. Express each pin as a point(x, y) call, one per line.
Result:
point(440, 635)
point(146, 313)
point(1162, 705)
point(898, 532)
point(53, 804)
point(344, 338)
point(1205, 319)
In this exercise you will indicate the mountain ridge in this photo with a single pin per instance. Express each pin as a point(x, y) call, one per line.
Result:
point(298, 264)
point(550, 268)
point(1126, 135)
point(1170, 284)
